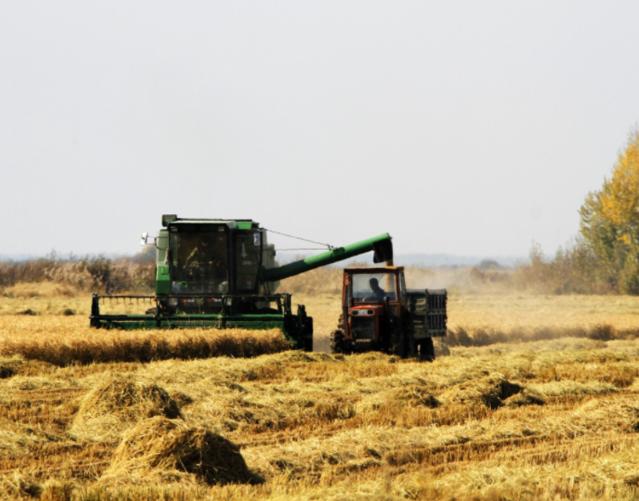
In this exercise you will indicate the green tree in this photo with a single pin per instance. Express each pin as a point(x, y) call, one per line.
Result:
point(610, 222)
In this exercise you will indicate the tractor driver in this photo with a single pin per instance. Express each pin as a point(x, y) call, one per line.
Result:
point(378, 293)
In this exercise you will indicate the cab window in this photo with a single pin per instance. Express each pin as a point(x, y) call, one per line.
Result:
point(199, 260)
point(248, 251)
point(373, 287)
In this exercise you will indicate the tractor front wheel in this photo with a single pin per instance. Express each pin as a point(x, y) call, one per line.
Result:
point(338, 342)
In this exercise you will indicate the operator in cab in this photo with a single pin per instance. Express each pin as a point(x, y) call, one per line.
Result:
point(205, 264)
point(378, 293)
point(199, 257)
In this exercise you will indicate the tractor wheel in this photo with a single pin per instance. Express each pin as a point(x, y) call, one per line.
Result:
point(399, 344)
point(427, 350)
point(338, 343)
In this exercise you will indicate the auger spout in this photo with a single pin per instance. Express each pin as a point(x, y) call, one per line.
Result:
point(381, 244)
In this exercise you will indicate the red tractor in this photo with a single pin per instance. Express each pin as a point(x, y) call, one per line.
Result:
point(380, 313)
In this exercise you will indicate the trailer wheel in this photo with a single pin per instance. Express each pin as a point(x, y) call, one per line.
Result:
point(427, 350)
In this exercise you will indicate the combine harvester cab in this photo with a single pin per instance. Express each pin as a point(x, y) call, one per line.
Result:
point(221, 273)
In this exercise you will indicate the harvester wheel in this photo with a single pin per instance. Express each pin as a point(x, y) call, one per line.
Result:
point(308, 343)
point(338, 343)
point(427, 350)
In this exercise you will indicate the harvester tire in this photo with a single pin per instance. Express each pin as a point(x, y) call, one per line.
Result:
point(308, 343)
point(337, 342)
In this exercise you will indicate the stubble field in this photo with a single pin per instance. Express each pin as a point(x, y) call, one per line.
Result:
point(534, 397)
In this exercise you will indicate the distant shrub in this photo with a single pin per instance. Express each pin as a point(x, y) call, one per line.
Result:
point(84, 273)
point(575, 270)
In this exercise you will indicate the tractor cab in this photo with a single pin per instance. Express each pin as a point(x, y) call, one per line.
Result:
point(379, 313)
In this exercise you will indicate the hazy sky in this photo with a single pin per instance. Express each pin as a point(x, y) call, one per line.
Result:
point(462, 127)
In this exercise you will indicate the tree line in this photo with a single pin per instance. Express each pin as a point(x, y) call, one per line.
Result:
point(604, 257)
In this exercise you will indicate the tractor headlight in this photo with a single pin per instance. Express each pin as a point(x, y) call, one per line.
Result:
point(362, 313)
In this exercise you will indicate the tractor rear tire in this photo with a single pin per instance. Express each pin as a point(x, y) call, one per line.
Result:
point(427, 350)
point(338, 343)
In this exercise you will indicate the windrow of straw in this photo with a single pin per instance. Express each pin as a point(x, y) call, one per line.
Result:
point(84, 347)
point(463, 336)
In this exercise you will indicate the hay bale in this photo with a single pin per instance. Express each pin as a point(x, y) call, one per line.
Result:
point(160, 449)
point(490, 391)
point(117, 403)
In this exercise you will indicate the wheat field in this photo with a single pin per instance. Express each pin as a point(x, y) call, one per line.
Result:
point(533, 397)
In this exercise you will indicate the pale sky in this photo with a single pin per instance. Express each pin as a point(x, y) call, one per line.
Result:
point(463, 127)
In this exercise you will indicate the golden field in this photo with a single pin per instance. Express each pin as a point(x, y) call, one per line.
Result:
point(535, 397)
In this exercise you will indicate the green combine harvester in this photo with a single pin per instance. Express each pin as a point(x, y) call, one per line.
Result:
point(221, 273)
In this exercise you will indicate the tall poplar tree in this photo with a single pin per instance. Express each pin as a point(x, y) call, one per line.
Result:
point(610, 221)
